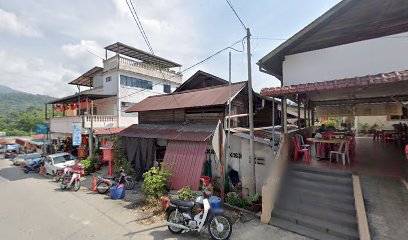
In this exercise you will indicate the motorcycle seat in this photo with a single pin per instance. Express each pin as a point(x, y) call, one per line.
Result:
point(182, 203)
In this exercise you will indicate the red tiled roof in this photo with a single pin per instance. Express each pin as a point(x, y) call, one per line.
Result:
point(103, 131)
point(383, 78)
point(190, 132)
point(196, 98)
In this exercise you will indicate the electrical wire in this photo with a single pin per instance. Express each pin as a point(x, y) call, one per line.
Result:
point(236, 14)
point(189, 68)
point(139, 24)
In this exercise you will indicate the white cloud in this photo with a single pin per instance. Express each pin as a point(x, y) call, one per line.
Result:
point(34, 75)
point(9, 23)
point(82, 56)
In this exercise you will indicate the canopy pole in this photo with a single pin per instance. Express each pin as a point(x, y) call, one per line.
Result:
point(273, 127)
point(298, 111)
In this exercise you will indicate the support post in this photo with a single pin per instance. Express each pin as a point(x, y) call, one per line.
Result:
point(90, 140)
point(273, 128)
point(298, 112)
point(284, 115)
point(313, 115)
point(252, 189)
point(304, 112)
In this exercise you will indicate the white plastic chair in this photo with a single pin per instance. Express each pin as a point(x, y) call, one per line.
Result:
point(343, 151)
point(301, 141)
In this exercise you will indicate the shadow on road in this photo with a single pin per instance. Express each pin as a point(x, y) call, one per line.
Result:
point(15, 173)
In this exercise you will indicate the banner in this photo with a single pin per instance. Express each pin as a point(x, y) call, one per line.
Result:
point(76, 134)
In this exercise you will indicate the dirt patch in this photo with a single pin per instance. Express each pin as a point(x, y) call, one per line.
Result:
point(150, 212)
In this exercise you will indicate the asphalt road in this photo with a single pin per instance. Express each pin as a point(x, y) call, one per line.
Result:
point(33, 207)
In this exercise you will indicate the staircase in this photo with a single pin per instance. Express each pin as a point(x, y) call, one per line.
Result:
point(317, 203)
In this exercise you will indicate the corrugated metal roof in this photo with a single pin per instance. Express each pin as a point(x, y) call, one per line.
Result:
point(103, 131)
point(196, 98)
point(86, 79)
point(141, 55)
point(384, 78)
point(188, 132)
point(185, 161)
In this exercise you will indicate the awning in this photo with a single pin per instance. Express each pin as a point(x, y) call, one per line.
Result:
point(82, 96)
point(180, 132)
point(143, 56)
point(86, 79)
point(379, 88)
point(185, 161)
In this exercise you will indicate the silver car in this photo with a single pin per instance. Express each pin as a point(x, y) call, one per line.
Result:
point(26, 158)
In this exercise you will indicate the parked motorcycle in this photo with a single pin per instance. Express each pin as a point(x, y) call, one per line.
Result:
point(72, 179)
point(195, 215)
point(103, 184)
point(59, 173)
point(34, 166)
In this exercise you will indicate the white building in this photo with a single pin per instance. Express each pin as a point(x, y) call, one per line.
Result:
point(128, 77)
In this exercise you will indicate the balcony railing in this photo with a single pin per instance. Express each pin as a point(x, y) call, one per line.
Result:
point(64, 124)
point(143, 68)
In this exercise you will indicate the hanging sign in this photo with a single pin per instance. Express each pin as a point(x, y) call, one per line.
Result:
point(76, 134)
point(41, 128)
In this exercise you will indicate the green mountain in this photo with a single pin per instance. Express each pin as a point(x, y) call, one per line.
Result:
point(13, 101)
point(20, 111)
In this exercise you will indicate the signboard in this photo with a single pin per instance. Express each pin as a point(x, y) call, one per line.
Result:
point(76, 134)
point(41, 128)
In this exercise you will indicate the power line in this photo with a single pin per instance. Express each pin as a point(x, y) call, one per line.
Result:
point(139, 25)
point(236, 14)
point(192, 66)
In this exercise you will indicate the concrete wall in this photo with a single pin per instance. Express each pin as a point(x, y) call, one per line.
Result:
point(381, 55)
point(240, 146)
point(381, 121)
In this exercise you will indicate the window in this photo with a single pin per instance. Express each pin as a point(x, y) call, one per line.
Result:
point(135, 82)
point(400, 117)
point(108, 79)
point(166, 88)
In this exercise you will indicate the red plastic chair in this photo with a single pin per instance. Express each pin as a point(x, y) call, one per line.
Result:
point(298, 150)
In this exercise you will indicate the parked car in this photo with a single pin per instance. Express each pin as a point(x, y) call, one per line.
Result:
point(58, 161)
point(26, 158)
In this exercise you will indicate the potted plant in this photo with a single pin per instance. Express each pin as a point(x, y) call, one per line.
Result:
point(96, 162)
point(186, 194)
point(256, 203)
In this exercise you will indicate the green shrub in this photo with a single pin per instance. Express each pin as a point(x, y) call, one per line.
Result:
point(235, 200)
point(186, 194)
point(88, 165)
point(155, 182)
point(119, 158)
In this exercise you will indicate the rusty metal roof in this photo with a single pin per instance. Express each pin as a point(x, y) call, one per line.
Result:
point(211, 96)
point(185, 161)
point(180, 132)
point(103, 131)
point(369, 80)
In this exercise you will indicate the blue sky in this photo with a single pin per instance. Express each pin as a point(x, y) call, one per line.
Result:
point(44, 44)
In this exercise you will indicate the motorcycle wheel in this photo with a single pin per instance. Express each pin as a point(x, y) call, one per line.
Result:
point(26, 170)
point(129, 184)
point(77, 185)
point(36, 170)
point(173, 217)
point(63, 184)
point(102, 187)
point(57, 178)
point(222, 230)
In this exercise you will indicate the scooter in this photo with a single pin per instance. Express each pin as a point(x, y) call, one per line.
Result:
point(103, 184)
point(72, 179)
point(195, 215)
point(34, 166)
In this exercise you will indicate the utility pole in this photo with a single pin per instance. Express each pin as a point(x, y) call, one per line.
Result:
point(227, 152)
point(90, 140)
point(251, 116)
